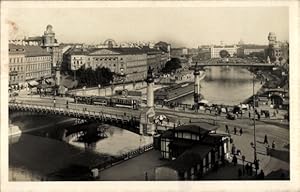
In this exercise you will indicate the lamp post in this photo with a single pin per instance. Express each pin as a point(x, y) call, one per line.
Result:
point(83, 88)
point(254, 131)
point(99, 87)
point(123, 75)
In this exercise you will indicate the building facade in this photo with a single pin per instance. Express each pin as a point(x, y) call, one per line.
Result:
point(48, 42)
point(27, 63)
point(179, 52)
point(215, 50)
point(130, 61)
point(245, 50)
point(276, 52)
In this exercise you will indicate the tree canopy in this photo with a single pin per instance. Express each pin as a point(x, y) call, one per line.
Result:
point(172, 65)
point(224, 53)
point(90, 77)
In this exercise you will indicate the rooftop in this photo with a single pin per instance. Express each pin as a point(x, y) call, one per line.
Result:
point(29, 50)
point(190, 158)
point(198, 128)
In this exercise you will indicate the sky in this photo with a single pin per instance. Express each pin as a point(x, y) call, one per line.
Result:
point(187, 27)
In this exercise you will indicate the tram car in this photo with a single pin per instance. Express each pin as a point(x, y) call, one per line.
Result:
point(109, 101)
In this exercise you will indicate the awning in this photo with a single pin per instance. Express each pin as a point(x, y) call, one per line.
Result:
point(50, 81)
point(32, 83)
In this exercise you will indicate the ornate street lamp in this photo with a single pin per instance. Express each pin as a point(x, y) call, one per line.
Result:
point(254, 131)
point(99, 87)
point(83, 88)
point(123, 76)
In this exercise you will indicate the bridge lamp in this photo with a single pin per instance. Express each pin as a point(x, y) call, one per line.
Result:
point(123, 77)
point(99, 87)
point(83, 88)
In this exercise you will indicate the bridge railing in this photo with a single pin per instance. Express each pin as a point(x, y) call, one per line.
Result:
point(124, 157)
point(70, 111)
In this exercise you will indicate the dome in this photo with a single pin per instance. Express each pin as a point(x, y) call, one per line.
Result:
point(49, 29)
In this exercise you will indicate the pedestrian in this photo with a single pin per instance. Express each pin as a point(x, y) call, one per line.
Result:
point(274, 114)
point(240, 173)
point(234, 160)
point(241, 131)
point(251, 169)
point(261, 174)
point(234, 129)
point(266, 140)
point(238, 152)
point(247, 167)
point(67, 104)
point(273, 144)
point(256, 164)
point(227, 129)
point(233, 149)
point(54, 102)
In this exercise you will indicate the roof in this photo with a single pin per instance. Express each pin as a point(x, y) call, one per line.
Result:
point(78, 51)
point(212, 139)
point(36, 38)
point(127, 50)
point(167, 134)
point(198, 128)
point(150, 51)
point(30, 50)
point(190, 158)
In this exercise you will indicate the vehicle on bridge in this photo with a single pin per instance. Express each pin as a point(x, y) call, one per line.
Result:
point(124, 102)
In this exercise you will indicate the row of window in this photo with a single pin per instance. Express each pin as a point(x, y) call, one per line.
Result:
point(100, 59)
point(38, 66)
point(38, 74)
point(21, 59)
point(14, 78)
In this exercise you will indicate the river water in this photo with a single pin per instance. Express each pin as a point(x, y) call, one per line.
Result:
point(225, 85)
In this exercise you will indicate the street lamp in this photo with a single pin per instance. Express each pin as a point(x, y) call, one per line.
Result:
point(123, 77)
point(254, 136)
point(99, 87)
point(112, 88)
point(83, 88)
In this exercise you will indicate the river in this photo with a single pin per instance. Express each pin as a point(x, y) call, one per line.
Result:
point(225, 85)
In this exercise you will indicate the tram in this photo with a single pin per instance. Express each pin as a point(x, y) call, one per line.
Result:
point(127, 102)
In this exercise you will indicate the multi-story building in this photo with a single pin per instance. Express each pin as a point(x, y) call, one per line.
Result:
point(48, 42)
point(130, 61)
point(179, 52)
point(27, 63)
point(247, 49)
point(154, 59)
point(165, 48)
point(276, 52)
point(215, 50)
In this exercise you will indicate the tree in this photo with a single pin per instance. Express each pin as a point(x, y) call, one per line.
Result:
point(90, 77)
point(224, 54)
point(172, 65)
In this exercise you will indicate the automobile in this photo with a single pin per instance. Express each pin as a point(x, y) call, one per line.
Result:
point(14, 94)
point(231, 116)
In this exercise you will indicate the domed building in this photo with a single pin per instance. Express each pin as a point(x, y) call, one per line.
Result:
point(273, 52)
